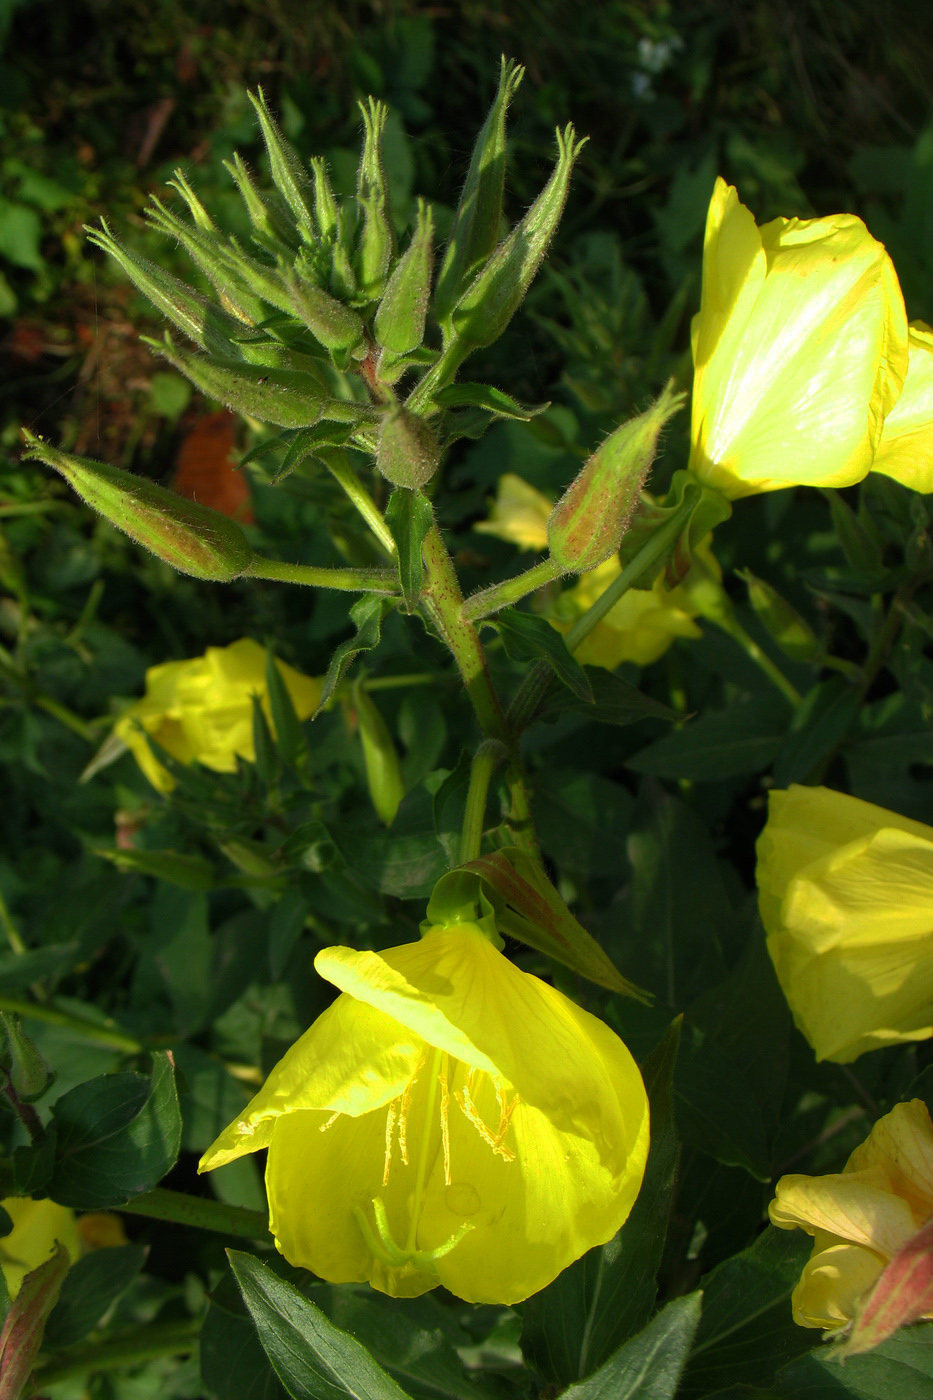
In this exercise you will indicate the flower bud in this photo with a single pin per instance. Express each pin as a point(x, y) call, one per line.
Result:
point(288, 173)
point(409, 452)
point(26, 1069)
point(589, 520)
point(267, 215)
point(211, 257)
point(331, 323)
point(495, 294)
point(190, 537)
point(476, 224)
point(289, 398)
point(21, 1336)
point(400, 319)
point(383, 771)
point(793, 633)
point(376, 245)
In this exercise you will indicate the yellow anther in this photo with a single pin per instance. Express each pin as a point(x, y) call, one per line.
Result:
point(329, 1124)
point(391, 1117)
point(506, 1110)
point(494, 1142)
point(445, 1121)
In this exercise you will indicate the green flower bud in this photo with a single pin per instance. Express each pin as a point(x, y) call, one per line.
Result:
point(26, 1070)
point(288, 173)
point(214, 260)
point(287, 397)
point(329, 321)
point(589, 520)
point(399, 323)
point(793, 633)
point(200, 215)
point(325, 201)
point(409, 452)
point(190, 537)
point(497, 291)
point(475, 229)
point(376, 246)
point(268, 216)
point(201, 320)
point(383, 770)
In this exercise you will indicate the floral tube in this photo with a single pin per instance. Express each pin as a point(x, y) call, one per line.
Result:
point(448, 1120)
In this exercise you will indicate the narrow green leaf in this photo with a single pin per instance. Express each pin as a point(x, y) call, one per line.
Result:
point(409, 516)
point(193, 873)
point(719, 744)
point(289, 734)
point(313, 1359)
point(649, 1366)
point(528, 637)
point(366, 614)
point(899, 1369)
point(491, 400)
point(615, 701)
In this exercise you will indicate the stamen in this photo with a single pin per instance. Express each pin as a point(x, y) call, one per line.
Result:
point(391, 1117)
point(445, 1121)
point(495, 1141)
point(329, 1124)
point(506, 1110)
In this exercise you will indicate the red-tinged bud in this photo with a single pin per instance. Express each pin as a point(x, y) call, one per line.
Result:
point(22, 1332)
point(902, 1294)
point(409, 452)
point(589, 520)
point(190, 537)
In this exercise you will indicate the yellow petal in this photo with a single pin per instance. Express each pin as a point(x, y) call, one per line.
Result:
point(800, 349)
point(854, 1206)
point(901, 1145)
point(36, 1227)
point(353, 1059)
point(906, 448)
point(519, 514)
point(461, 995)
point(832, 1283)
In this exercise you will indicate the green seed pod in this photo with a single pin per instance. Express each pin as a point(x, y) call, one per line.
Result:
point(408, 453)
point(399, 323)
point(497, 291)
point(589, 520)
point(781, 620)
point(329, 321)
point(376, 246)
point(383, 770)
point(201, 320)
point(190, 537)
point(288, 173)
point(25, 1321)
point(288, 398)
point(475, 229)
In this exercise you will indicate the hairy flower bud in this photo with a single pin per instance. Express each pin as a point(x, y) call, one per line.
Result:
point(27, 1070)
point(383, 770)
point(409, 452)
point(190, 537)
point(334, 325)
point(400, 319)
point(589, 520)
point(288, 173)
point(288, 398)
point(376, 245)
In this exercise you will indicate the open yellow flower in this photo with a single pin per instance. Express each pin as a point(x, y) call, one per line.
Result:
point(906, 448)
point(448, 1120)
point(860, 1217)
point(37, 1225)
point(799, 348)
point(846, 897)
point(519, 514)
point(202, 710)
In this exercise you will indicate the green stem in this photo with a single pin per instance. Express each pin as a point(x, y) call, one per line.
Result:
point(501, 595)
point(349, 580)
point(109, 1035)
point(66, 717)
point(117, 1353)
point(397, 682)
point(443, 603)
point(731, 625)
point(13, 935)
point(199, 1211)
point(340, 469)
point(438, 376)
point(485, 761)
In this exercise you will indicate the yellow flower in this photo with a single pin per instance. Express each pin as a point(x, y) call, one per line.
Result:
point(37, 1225)
point(906, 448)
point(448, 1120)
point(202, 710)
point(799, 348)
point(860, 1217)
point(519, 514)
point(846, 897)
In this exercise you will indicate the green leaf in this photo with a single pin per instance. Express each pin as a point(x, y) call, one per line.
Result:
point(614, 701)
point(719, 744)
point(193, 873)
point(491, 400)
point(285, 925)
point(409, 516)
point(528, 637)
point(366, 614)
point(575, 1324)
point(406, 861)
point(90, 1287)
point(747, 1330)
point(649, 1366)
point(313, 1359)
point(289, 734)
point(20, 969)
point(234, 1365)
point(820, 725)
point(117, 1136)
point(899, 1369)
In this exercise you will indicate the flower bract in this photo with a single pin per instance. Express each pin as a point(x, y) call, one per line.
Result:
point(448, 1120)
point(860, 1217)
point(846, 897)
point(799, 348)
point(202, 710)
point(906, 448)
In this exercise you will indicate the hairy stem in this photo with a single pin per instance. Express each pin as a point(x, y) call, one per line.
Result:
point(348, 580)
